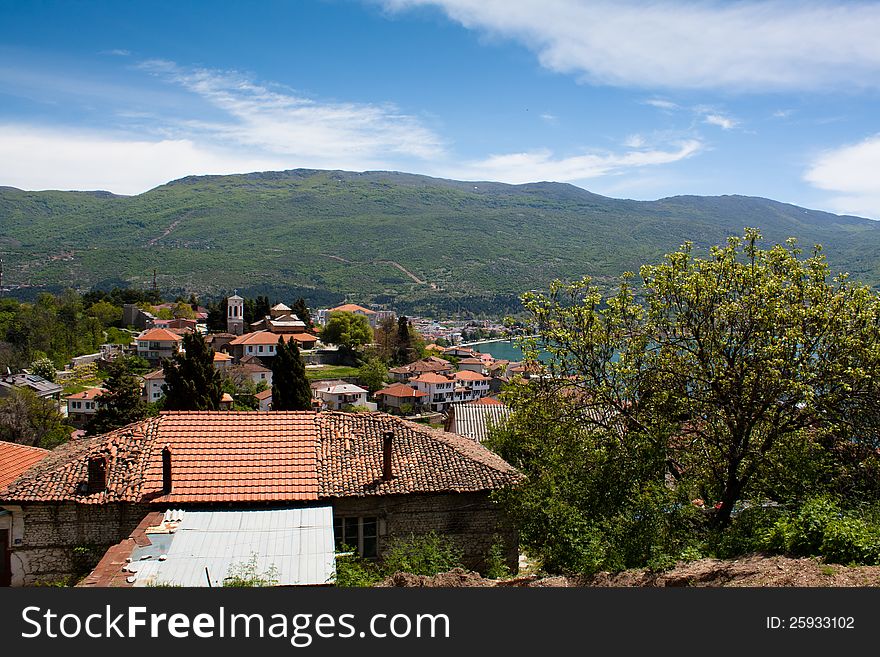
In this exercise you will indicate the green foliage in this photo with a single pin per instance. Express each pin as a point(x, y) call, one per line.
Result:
point(372, 374)
point(301, 310)
point(109, 314)
point(421, 554)
point(353, 571)
point(28, 419)
point(121, 402)
point(290, 386)
point(192, 383)
point(44, 367)
point(118, 336)
point(248, 574)
point(348, 330)
point(496, 564)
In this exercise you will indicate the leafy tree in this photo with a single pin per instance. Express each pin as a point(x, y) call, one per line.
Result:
point(44, 367)
point(290, 387)
point(373, 374)
point(718, 362)
point(106, 313)
point(301, 310)
point(348, 330)
point(27, 419)
point(121, 402)
point(192, 383)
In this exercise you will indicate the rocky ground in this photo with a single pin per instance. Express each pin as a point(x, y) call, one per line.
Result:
point(748, 571)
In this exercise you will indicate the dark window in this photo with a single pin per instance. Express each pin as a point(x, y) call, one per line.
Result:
point(97, 474)
point(359, 534)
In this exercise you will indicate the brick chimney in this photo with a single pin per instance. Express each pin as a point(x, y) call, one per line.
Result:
point(387, 442)
point(166, 470)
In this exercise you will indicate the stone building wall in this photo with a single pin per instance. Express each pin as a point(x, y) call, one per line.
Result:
point(52, 542)
point(471, 520)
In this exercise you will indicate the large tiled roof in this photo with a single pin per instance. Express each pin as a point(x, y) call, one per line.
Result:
point(159, 335)
point(402, 391)
point(15, 459)
point(262, 457)
point(467, 375)
point(89, 394)
point(423, 459)
point(267, 337)
point(352, 308)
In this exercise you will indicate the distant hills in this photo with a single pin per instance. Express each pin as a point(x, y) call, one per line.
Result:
point(376, 236)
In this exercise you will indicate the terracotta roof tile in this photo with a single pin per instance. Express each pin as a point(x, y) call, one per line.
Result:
point(402, 391)
point(262, 456)
point(15, 459)
point(89, 394)
point(159, 335)
point(352, 307)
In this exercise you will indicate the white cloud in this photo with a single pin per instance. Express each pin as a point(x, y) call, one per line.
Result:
point(116, 52)
point(723, 122)
point(634, 141)
point(299, 127)
point(549, 118)
point(851, 172)
point(659, 103)
point(38, 158)
point(782, 113)
point(544, 165)
point(748, 45)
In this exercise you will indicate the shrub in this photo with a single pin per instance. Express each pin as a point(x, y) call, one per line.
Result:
point(496, 564)
point(422, 554)
point(248, 574)
point(353, 571)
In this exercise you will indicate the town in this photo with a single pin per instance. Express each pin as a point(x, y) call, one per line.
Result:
point(136, 445)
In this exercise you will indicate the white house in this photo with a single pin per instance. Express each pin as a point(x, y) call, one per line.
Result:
point(82, 406)
point(153, 383)
point(440, 389)
point(337, 397)
point(156, 344)
point(265, 399)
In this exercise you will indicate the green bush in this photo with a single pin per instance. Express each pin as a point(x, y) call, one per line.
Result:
point(422, 554)
point(496, 564)
point(352, 571)
point(247, 574)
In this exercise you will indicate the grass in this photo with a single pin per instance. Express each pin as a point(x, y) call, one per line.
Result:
point(331, 372)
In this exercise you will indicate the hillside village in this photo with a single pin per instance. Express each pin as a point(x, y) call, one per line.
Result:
point(363, 463)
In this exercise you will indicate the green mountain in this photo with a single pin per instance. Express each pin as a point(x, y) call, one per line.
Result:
point(375, 236)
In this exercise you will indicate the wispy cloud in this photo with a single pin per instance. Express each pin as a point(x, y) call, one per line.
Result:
point(549, 118)
point(851, 173)
point(746, 46)
point(782, 113)
point(723, 122)
point(660, 103)
point(116, 52)
point(543, 164)
point(282, 122)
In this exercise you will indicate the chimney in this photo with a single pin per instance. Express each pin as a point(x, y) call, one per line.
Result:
point(387, 440)
point(166, 469)
point(97, 474)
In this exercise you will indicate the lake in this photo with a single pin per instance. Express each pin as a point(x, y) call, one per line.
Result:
point(504, 350)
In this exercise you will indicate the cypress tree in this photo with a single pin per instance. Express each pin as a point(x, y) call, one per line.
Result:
point(290, 387)
point(120, 404)
point(301, 310)
point(192, 383)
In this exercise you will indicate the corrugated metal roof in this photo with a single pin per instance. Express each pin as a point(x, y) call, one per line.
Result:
point(475, 420)
point(295, 545)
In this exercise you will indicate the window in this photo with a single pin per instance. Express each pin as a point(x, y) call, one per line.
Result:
point(359, 533)
point(260, 348)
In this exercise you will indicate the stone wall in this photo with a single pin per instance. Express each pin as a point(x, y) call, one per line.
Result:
point(471, 520)
point(61, 540)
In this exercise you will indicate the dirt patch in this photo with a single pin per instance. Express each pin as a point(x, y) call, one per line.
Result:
point(748, 571)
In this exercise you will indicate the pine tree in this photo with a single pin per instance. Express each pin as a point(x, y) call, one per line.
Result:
point(290, 387)
point(120, 403)
point(192, 383)
point(404, 348)
point(301, 310)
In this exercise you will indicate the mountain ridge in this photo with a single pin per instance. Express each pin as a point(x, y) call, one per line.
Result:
point(333, 234)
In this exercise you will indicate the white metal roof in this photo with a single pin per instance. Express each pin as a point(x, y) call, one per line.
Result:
point(475, 420)
point(295, 545)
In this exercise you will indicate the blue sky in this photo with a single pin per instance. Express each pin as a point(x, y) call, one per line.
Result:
point(628, 99)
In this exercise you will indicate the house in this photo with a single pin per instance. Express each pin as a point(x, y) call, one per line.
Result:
point(82, 406)
point(222, 360)
point(153, 383)
point(475, 420)
point(460, 352)
point(156, 344)
point(226, 402)
point(470, 386)
point(371, 315)
point(439, 390)
point(378, 476)
point(341, 396)
point(218, 341)
point(264, 397)
point(263, 343)
point(419, 367)
point(398, 397)
point(15, 460)
point(472, 364)
point(36, 384)
point(251, 370)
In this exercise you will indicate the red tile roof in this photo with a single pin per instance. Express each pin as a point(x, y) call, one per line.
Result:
point(267, 337)
point(157, 374)
point(488, 401)
point(351, 308)
point(401, 391)
point(430, 377)
point(264, 394)
point(467, 375)
point(263, 456)
point(89, 394)
point(221, 356)
point(159, 335)
point(15, 459)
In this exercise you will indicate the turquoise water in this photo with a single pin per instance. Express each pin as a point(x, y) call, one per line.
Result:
point(504, 350)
